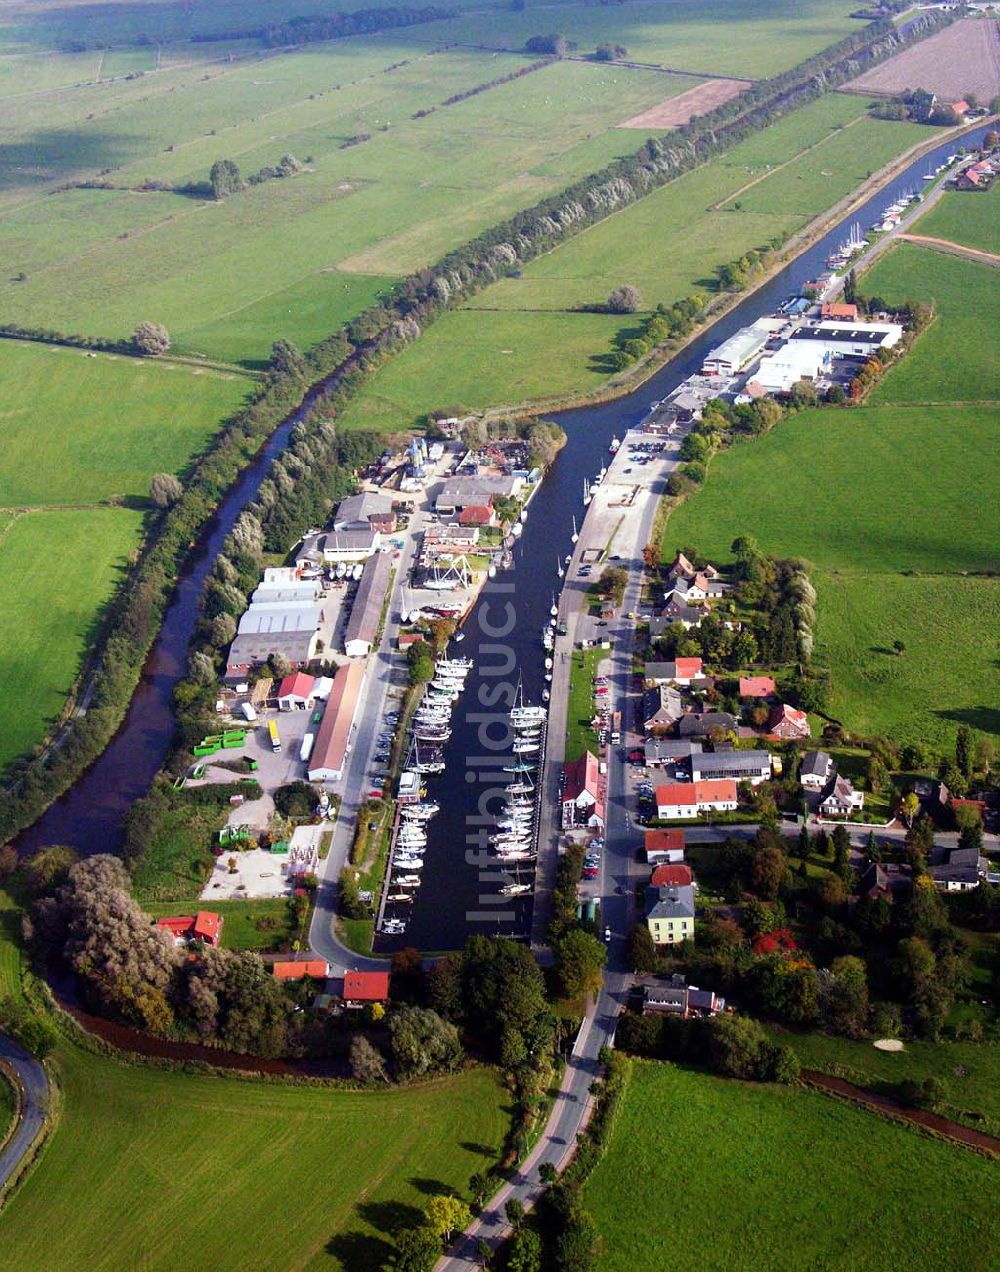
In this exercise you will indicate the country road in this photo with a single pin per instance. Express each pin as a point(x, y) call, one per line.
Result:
point(33, 1090)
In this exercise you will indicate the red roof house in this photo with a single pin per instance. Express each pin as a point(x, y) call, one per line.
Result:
point(477, 515)
point(788, 722)
point(315, 967)
point(671, 876)
point(663, 845)
point(365, 987)
point(690, 799)
point(756, 686)
point(205, 926)
point(583, 793)
point(839, 309)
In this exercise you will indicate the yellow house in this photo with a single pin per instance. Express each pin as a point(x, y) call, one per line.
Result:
point(670, 914)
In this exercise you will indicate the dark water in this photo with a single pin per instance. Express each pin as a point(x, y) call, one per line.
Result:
point(89, 816)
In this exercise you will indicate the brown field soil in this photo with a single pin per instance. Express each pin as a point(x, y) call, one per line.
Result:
point(954, 249)
point(964, 58)
point(696, 101)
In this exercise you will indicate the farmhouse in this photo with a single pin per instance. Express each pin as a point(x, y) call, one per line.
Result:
point(675, 800)
point(788, 722)
point(205, 926)
point(742, 766)
point(583, 793)
point(326, 763)
point(663, 846)
point(366, 511)
point(362, 626)
point(670, 914)
point(362, 988)
point(296, 692)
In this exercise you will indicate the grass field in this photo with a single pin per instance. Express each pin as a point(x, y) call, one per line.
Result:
point(956, 360)
point(759, 39)
point(580, 705)
point(246, 925)
point(780, 1177)
point(498, 350)
point(889, 555)
point(10, 946)
point(57, 568)
point(240, 1173)
point(80, 429)
point(970, 218)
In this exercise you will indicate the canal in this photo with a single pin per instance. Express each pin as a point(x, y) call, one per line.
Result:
point(89, 816)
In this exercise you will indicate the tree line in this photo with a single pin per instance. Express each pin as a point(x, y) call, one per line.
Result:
point(313, 28)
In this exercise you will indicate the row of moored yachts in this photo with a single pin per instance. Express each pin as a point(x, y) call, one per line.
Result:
point(513, 838)
point(430, 729)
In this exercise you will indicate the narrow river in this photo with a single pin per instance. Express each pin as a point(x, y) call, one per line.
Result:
point(89, 816)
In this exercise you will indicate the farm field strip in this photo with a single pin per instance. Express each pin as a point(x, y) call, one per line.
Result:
point(972, 221)
point(887, 1194)
point(963, 58)
point(693, 101)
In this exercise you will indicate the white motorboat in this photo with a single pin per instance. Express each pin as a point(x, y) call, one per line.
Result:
point(420, 812)
point(517, 529)
point(492, 572)
point(548, 664)
point(519, 788)
point(559, 569)
point(340, 571)
point(398, 898)
point(394, 927)
point(430, 766)
point(357, 572)
point(614, 445)
point(515, 889)
point(525, 748)
point(545, 695)
point(406, 881)
point(554, 608)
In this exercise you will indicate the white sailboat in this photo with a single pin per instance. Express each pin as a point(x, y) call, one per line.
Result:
point(576, 534)
point(554, 608)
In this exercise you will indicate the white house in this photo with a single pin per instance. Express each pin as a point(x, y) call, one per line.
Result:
point(676, 800)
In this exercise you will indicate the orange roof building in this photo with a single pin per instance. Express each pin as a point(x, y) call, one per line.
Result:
point(663, 845)
point(671, 876)
point(839, 309)
point(326, 763)
point(366, 987)
point(757, 686)
point(205, 926)
point(691, 799)
point(315, 967)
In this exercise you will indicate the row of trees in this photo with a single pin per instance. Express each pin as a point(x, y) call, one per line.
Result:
point(312, 28)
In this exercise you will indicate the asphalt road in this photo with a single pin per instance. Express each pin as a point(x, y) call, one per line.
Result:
point(35, 1086)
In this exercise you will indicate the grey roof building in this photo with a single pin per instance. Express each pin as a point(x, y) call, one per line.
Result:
point(815, 770)
point(337, 545)
point(700, 725)
point(663, 706)
point(743, 766)
point(357, 511)
point(362, 626)
point(670, 903)
point(474, 492)
point(669, 750)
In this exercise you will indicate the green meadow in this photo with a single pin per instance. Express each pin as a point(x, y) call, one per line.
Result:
point(80, 428)
point(57, 570)
point(499, 349)
point(240, 1173)
point(894, 506)
point(765, 1176)
point(968, 217)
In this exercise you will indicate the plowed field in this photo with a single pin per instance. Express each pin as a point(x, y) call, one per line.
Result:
point(963, 59)
point(696, 101)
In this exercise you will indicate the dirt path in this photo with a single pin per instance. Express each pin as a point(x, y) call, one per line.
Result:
point(918, 1117)
point(953, 249)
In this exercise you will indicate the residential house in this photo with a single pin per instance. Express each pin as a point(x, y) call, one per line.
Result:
point(839, 310)
point(742, 766)
point(477, 515)
point(296, 692)
point(757, 686)
point(704, 1002)
point(675, 800)
point(677, 611)
point(440, 539)
point(366, 511)
point(583, 793)
point(703, 724)
point(841, 799)
point(663, 846)
point(681, 671)
point(960, 871)
point(671, 876)
point(788, 722)
point(362, 988)
point(665, 1000)
point(317, 968)
point(205, 926)
point(663, 708)
point(815, 770)
point(669, 751)
point(670, 915)
point(874, 883)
